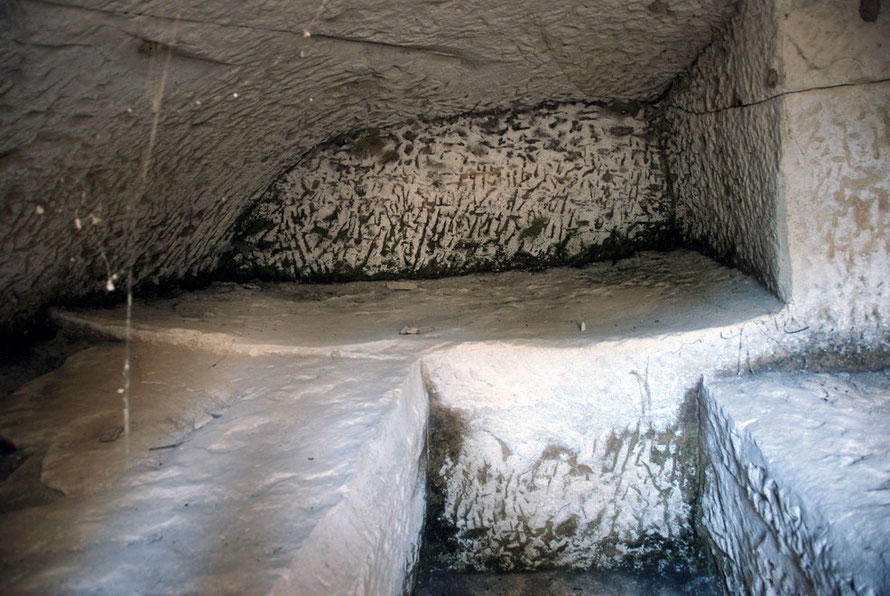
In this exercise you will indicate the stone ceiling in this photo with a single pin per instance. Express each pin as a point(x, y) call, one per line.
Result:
point(247, 88)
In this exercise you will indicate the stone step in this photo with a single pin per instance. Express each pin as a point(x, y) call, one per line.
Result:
point(797, 487)
point(259, 474)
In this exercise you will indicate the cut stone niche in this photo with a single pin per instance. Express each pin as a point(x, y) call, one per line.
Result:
point(767, 162)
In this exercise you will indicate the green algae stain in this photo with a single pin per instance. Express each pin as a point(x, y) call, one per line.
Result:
point(568, 527)
point(368, 144)
point(535, 229)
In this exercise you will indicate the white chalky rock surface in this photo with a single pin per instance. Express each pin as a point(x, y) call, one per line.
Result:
point(798, 481)
point(312, 466)
point(575, 447)
point(485, 192)
point(779, 138)
point(648, 294)
point(724, 145)
point(85, 453)
point(573, 456)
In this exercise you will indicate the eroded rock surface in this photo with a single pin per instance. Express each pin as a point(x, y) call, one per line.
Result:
point(561, 446)
point(258, 474)
point(558, 185)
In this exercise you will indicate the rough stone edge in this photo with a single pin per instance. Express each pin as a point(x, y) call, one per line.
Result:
point(331, 566)
point(796, 561)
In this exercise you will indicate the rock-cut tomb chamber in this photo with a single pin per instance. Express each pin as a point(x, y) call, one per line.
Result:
point(505, 287)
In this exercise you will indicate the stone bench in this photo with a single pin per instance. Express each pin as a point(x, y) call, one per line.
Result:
point(796, 495)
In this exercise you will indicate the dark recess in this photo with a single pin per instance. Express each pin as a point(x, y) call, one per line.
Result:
point(869, 10)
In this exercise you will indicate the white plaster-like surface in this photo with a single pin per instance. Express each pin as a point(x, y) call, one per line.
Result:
point(733, 69)
point(570, 183)
point(512, 341)
point(725, 168)
point(241, 475)
point(570, 389)
point(796, 489)
point(825, 43)
point(648, 294)
point(797, 126)
point(836, 164)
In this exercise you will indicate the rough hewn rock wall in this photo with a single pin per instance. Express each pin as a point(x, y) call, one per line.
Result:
point(247, 93)
point(779, 155)
point(801, 512)
point(565, 184)
point(723, 147)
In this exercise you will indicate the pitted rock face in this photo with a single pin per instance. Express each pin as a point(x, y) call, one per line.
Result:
point(244, 90)
point(560, 185)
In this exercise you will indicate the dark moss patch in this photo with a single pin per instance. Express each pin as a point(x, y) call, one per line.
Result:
point(621, 131)
point(467, 245)
point(622, 108)
point(253, 225)
point(446, 431)
point(826, 355)
point(368, 144)
point(320, 231)
point(568, 527)
point(535, 229)
point(389, 156)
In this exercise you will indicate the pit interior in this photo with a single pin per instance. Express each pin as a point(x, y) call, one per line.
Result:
point(465, 307)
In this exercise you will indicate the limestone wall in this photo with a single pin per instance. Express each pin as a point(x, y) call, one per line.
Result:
point(565, 184)
point(723, 147)
point(779, 156)
point(836, 165)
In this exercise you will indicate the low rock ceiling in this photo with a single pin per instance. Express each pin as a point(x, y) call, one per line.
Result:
point(247, 87)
